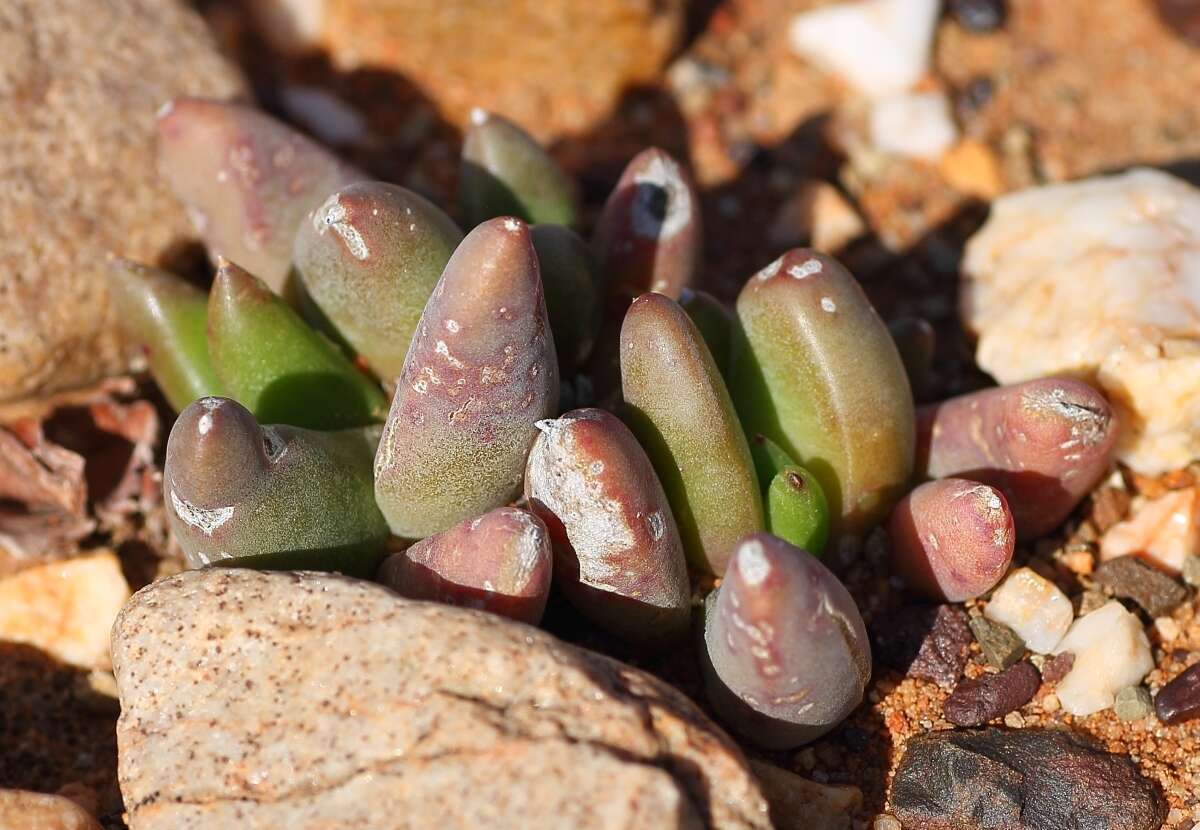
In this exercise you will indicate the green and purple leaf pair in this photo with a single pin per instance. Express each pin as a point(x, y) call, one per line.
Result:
point(816, 371)
point(277, 497)
point(785, 656)
point(480, 373)
point(618, 556)
point(680, 410)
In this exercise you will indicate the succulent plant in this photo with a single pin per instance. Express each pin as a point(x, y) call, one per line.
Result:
point(796, 509)
point(1044, 444)
point(498, 562)
point(916, 341)
point(272, 362)
point(680, 410)
point(505, 172)
point(246, 179)
point(574, 295)
point(369, 258)
point(787, 656)
point(714, 321)
point(952, 539)
point(271, 496)
point(816, 371)
point(480, 373)
point(165, 317)
point(471, 337)
point(618, 556)
point(649, 236)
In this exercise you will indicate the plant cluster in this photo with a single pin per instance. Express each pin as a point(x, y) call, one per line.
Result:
point(363, 372)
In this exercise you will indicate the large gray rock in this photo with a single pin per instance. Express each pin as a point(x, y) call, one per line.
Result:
point(80, 82)
point(303, 700)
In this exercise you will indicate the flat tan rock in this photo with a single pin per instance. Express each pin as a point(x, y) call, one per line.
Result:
point(21, 810)
point(554, 66)
point(66, 609)
point(304, 700)
point(80, 82)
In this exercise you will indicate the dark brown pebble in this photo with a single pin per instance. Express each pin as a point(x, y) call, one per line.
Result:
point(1025, 779)
point(1058, 667)
point(975, 702)
point(1129, 577)
point(1179, 700)
point(926, 642)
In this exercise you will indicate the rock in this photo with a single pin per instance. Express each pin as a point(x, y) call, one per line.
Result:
point(799, 804)
point(1000, 645)
point(975, 702)
point(81, 82)
point(1130, 578)
point(65, 608)
point(434, 717)
point(1133, 703)
point(1111, 652)
point(927, 642)
point(914, 125)
point(1165, 531)
point(555, 66)
point(1058, 667)
point(998, 779)
point(22, 810)
point(973, 168)
point(1179, 700)
point(1133, 240)
point(816, 214)
point(1033, 607)
point(1191, 570)
point(878, 47)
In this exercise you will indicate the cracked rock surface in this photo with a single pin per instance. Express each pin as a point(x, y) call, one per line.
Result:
point(304, 700)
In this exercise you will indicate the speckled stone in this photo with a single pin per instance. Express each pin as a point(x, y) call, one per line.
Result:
point(81, 82)
point(303, 700)
point(21, 810)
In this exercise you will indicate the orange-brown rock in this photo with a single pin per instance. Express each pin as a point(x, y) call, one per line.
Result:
point(23, 810)
point(555, 67)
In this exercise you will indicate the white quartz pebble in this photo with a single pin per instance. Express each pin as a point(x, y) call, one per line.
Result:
point(1111, 652)
point(1032, 606)
point(879, 47)
point(1098, 279)
point(913, 125)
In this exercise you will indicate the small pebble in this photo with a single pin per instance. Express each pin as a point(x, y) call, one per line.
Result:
point(975, 702)
point(1167, 629)
point(1013, 720)
point(978, 15)
point(1032, 606)
point(1111, 652)
point(1000, 645)
point(1090, 600)
point(928, 642)
point(913, 125)
point(1133, 703)
point(886, 822)
point(1179, 700)
point(1050, 703)
point(1058, 667)
point(1191, 570)
point(1131, 578)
